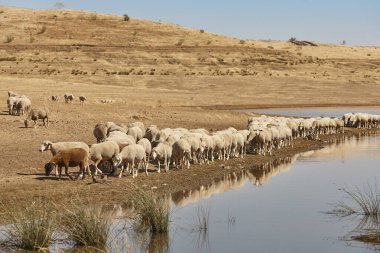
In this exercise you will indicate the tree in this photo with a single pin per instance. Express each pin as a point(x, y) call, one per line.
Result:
point(59, 5)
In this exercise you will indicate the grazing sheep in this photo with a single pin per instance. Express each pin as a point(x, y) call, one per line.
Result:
point(151, 133)
point(55, 98)
point(100, 132)
point(60, 146)
point(133, 155)
point(11, 103)
point(22, 105)
point(69, 98)
point(36, 114)
point(106, 101)
point(162, 152)
point(82, 99)
point(137, 124)
point(68, 158)
point(146, 145)
point(122, 141)
point(115, 127)
point(103, 151)
point(181, 153)
point(136, 133)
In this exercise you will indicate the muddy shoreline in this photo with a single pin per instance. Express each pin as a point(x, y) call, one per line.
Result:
point(118, 191)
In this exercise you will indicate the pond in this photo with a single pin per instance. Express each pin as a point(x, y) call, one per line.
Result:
point(275, 207)
point(315, 111)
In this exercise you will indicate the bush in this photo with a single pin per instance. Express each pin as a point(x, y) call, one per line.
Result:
point(42, 30)
point(87, 226)
point(126, 17)
point(32, 226)
point(152, 212)
point(201, 31)
point(242, 41)
point(8, 38)
point(292, 39)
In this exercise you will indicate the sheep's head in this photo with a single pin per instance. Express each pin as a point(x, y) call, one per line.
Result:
point(46, 145)
point(154, 154)
point(48, 168)
point(116, 160)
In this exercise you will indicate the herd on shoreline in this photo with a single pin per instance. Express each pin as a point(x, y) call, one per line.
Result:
point(130, 147)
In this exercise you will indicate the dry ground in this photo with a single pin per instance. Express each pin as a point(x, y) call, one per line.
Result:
point(158, 73)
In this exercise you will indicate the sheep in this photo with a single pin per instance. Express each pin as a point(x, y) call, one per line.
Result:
point(181, 153)
point(55, 98)
point(23, 105)
point(12, 94)
point(68, 158)
point(135, 132)
point(103, 151)
point(111, 126)
point(69, 98)
point(11, 102)
point(137, 124)
point(59, 146)
point(106, 101)
point(82, 99)
point(122, 141)
point(196, 147)
point(146, 145)
point(100, 132)
point(36, 114)
point(132, 155)
point(162, 152)
point(151, 133)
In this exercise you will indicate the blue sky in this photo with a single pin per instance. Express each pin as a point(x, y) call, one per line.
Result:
point(356, 21)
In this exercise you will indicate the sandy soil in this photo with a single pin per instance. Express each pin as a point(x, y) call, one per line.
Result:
point(158, 73)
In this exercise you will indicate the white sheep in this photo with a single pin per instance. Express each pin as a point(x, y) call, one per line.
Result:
point(181, 153)
point(163, 151)
point(135, 132)
point(103, 151)
point(133, 155)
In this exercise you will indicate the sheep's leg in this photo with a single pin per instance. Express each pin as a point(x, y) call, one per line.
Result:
point(67, 172)
point(166, 162)
point(145, 164)
point(133, 168)
point(121, 171)
point(159, 170)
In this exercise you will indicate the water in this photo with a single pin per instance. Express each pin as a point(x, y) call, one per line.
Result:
point(275, 207)
point(281, 208)
point(315, 111)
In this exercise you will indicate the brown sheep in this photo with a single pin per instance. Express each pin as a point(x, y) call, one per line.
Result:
point(68, 158)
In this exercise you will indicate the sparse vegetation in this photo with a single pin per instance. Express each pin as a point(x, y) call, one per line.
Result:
point(152, 212)
point(87, 225)
point(203, 218)
point(42, 30)
point(93, 16)
point(126, 17)
point(242, 42)
point(8, 39)
point(292, 39)
point(32, 226)
point(209, 42)
point(366, 203)
point(343, 42)
point(201, 31)
point(1, 12)
point(180, 42)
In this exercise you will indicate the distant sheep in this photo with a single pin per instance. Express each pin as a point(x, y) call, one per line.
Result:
point(106, 101)
point(82, 99)
point(55, 98)
point(36, 114)
point(69, 98)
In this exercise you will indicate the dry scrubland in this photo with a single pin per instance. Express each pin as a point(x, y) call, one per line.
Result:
point(154, 72)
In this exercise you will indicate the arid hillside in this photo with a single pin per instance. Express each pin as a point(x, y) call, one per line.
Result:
point(167, 64)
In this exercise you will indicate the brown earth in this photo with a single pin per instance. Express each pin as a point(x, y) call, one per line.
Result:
point(158, 73)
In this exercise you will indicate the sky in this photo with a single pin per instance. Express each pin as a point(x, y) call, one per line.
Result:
point(355, 21)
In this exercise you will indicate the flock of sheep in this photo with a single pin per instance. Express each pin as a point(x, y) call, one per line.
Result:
point(131, 147)
point(69, 98)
